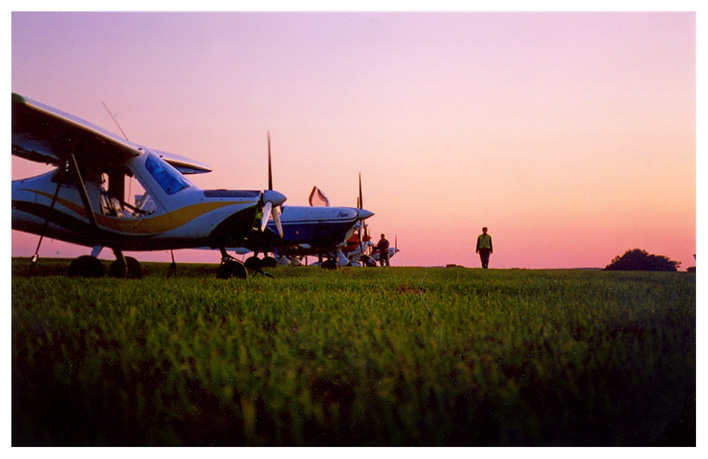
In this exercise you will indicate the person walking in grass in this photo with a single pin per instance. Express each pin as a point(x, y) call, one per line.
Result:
point(383, 246)
point(484, 247)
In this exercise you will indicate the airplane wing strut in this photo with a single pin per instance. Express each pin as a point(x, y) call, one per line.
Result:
point(35, 257)
point(83, 193)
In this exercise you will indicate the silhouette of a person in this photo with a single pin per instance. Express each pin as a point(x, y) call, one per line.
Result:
point(484, 247)
point(383, 250)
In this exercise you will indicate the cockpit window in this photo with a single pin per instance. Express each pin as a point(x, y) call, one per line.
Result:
point(165, 175)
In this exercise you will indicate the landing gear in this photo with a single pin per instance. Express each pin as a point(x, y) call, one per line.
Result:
point(368, 261)
point(329, 264)
point(269, 262)
point(256, 264)
point(253, 263)
point(86, 266)
point(126, 267)
point(230, 267)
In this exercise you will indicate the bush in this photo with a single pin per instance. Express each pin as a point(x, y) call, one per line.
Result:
point(640, 260)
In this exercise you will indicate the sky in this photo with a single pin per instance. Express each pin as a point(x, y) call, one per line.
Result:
point(570, 135)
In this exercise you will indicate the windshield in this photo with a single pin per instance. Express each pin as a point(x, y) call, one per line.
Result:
point(165, 175)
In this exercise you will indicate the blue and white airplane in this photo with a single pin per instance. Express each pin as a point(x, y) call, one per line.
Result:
point(89, 198)
point(314, 231)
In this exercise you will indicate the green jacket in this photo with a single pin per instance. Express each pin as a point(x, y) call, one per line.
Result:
point(484, 241)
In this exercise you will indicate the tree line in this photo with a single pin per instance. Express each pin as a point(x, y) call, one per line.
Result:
point(640, 260)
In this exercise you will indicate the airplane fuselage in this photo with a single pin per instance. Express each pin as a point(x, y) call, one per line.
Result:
point(174, 214)
point(309, 230)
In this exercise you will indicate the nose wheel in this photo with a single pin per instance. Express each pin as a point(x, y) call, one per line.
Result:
point(230, 267)
point(329, 264)
point(254, 263)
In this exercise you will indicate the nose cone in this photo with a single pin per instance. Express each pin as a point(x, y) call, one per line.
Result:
point(364, 214)
point(274, 197)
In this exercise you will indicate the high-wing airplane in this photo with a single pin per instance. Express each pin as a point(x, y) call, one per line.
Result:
point(313, 230)
point(109, 192)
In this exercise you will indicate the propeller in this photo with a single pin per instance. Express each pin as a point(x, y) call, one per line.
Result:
point(362, 225)
point(270, 169)
point(269, 208)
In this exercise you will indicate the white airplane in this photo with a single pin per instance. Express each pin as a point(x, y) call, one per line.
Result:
point(356, 250)
point(360, 250)
point(88, 198)
point(315, 230)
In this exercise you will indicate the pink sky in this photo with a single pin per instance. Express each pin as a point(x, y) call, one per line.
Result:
point(572, 136)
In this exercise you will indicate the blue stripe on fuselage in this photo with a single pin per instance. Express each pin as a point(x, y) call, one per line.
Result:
point(314, 232)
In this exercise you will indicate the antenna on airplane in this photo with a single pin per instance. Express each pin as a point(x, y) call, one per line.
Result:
point(172, 268)
point(113, 117)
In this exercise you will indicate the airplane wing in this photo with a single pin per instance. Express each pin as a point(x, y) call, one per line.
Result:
point(44, 134)
point(183, 164)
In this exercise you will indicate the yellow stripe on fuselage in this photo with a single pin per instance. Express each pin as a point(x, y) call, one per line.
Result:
point(147, 225)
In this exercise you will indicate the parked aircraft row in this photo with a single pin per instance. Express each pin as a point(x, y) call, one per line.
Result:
point(85, 201)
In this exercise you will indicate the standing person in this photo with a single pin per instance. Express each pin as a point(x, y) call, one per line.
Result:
point(484, 247)
point(383, 250)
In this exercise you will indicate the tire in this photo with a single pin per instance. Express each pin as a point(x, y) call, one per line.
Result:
point(253, 263)
point(270, 262)
point(133, 270)
point(329, 264)
point(86, 266)
point(231, 268)
point(368, 261)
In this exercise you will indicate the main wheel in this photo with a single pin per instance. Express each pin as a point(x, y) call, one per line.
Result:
point(86, 266)
point(131, 270)
point(231, 268)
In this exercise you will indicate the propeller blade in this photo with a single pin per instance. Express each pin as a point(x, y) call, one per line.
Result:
point(276, 218)
point(266, 212)
point(361, 196)
point(270, 170)
point(361, 237)
point(360, 205)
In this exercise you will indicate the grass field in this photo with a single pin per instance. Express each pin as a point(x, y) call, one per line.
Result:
point(384, 356)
